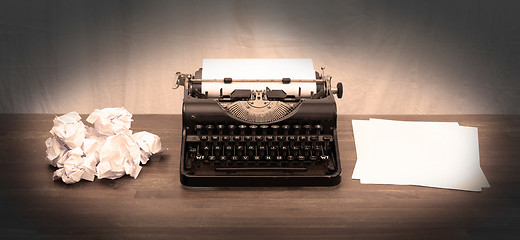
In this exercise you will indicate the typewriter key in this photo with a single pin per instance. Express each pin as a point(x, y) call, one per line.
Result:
point(307, 129)
point(220, 129)
point(198, 128)
point(253, 129)
point(264, 129)
point(297, 129)
point(242, 129)
point(275, 129)
point(286, 129)
point(231, 129)
point(210, 129)
point(318, 129)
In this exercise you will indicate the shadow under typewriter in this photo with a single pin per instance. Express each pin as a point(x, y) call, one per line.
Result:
point(260, 136)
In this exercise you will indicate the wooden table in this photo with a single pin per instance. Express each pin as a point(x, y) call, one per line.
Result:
point(156, 205)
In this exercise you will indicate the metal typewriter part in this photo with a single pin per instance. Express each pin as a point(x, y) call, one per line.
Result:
point(265, 132)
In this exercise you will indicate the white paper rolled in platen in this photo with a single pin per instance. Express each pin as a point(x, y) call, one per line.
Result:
point(258, 69)
point(302, 89)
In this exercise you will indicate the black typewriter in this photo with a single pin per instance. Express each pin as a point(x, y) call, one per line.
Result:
point(261, 132)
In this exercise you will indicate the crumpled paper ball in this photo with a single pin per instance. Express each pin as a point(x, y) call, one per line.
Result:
point(69, 129)
point(110, 121)
point(107, 150)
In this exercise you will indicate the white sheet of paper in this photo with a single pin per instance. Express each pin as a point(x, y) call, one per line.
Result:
point(258, 69)
point(429, 154)
point(361, 130)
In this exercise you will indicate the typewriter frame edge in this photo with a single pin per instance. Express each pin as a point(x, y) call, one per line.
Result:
point(190, 180)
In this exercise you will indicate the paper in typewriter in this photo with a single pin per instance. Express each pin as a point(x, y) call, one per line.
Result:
point(442, 155)
point(258, 69)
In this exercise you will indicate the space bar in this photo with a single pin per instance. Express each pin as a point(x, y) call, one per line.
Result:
point(251, 169)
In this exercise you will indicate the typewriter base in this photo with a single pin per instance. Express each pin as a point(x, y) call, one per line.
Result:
point(258, 181)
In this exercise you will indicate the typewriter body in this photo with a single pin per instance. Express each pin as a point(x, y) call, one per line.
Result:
point(259, 132)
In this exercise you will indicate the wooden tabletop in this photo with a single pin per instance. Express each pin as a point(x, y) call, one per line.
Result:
point(157, 206)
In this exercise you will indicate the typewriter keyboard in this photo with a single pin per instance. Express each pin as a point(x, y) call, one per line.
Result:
point(259, 149)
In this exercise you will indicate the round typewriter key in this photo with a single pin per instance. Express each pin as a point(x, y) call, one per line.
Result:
point(206, 150)
point(264, 129)
point(212, 158)
point(253, 129)
point(301, 158)
point(261, 150)
point(285, 150)
point(220, 129)
point(317, 150)
point(273, 150)
point(297, 129)
point(307, 149)
point(231, 129)
point(275, 129)
point(210, 129)
point(279, 158)
point(242, 129)
point(240, 150)
point(198, 128)
point(313, 158)
point(318, 129)
point(307, 129)
point(217, 150)
point(229, 150)
point(290, 158)
point(286, 129)
point(250, 150)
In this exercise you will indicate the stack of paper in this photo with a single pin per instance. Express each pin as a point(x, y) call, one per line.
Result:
point(431, 154)
point(107, 150)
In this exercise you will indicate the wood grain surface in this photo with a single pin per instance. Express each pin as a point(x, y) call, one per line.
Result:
point(157, 206)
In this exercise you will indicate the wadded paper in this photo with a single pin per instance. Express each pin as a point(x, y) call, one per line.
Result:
point(432, 154)
point(107, 150)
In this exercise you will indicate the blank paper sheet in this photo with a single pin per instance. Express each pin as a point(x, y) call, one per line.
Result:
point(431, 154)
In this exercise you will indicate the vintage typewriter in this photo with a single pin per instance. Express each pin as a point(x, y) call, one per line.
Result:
point(259, 132)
